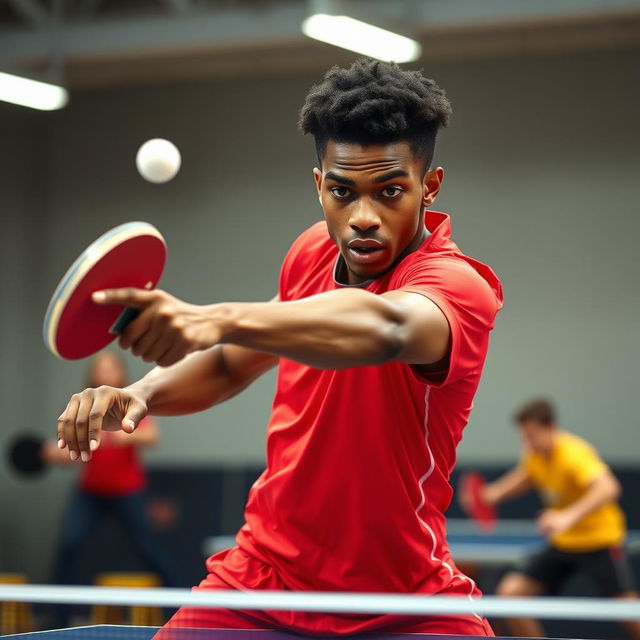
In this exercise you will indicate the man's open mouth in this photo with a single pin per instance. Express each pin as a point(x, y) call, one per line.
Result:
point(364, 250)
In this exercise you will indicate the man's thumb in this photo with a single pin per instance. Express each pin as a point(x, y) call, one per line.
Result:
point(132, 418)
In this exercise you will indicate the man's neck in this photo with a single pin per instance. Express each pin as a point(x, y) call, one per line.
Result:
point(343, 277)
point(415, 244)
point(553, 438)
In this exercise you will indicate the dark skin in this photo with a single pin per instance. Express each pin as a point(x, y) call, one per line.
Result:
point(373, 196)
point(375, 193)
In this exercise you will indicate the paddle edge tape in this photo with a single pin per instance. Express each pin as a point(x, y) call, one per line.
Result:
point(83, 264)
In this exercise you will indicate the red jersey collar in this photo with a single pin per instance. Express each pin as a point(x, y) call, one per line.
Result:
point(438, 225)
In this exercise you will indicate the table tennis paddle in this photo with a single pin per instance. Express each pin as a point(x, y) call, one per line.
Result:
point(25, 455)
point(129, 255)
point(471, 485)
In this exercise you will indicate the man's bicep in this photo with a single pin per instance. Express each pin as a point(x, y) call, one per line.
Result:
point(427, 334)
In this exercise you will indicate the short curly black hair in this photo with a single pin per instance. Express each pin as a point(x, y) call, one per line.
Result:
point(374, 102)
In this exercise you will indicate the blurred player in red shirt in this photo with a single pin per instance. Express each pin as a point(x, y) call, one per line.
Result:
point(113, 483)
point(379, 329)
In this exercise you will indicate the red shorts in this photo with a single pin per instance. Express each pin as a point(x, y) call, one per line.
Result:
point(236, 569)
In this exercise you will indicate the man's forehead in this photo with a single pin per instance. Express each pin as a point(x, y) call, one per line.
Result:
point(355, 156)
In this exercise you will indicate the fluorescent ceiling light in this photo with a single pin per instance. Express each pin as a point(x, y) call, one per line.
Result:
point(32, 93)
point(361, 37)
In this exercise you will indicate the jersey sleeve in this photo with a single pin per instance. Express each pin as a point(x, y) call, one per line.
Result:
point(297, 256)
point(469, 304)
point(584, 464)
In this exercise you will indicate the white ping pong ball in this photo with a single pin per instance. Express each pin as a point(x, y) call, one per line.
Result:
point(158, 160)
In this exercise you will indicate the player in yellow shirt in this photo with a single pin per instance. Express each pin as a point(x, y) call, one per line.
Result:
point(582, 521)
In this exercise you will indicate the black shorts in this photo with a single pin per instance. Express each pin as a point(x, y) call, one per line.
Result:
point(609, 569)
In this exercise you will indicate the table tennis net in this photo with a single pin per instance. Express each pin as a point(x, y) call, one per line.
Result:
point(44, 612)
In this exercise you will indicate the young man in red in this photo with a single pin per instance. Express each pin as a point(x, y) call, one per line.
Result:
point(379, 330)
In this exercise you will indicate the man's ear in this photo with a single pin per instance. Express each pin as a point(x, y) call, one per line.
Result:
point(431, 185)
point(317, 176)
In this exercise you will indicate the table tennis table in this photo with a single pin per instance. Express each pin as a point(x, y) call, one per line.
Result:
point(510, 542)
point(122, 632)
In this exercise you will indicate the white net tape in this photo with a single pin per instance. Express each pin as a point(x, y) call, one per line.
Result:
point(546, 608)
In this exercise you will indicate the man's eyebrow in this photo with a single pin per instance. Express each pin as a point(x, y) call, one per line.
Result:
point(330, 175)
point(396, 173)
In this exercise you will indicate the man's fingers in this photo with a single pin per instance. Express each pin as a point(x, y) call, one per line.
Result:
point(157, 350)
point(67, 426)
point(82, 426)
point(174, 354)
point(154, 351)
point(137, 329)
point(146, 332)
point(128, 296)
point(101, 404)
point(62, 443)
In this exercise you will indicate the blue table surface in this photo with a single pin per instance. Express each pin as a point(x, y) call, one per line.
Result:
point(119, 632)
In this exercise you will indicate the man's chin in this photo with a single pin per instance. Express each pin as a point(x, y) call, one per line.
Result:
point(369, 272)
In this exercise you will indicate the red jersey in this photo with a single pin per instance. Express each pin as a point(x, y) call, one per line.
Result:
point(358, 460)
point(114, 470)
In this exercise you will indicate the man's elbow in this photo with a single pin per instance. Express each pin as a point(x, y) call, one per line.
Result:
point(393, 343)
point(387, 332)
point(610, 486)
point(398, 344)
point(616, 488)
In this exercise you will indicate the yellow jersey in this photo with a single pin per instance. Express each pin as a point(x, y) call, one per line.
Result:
point(561, 479)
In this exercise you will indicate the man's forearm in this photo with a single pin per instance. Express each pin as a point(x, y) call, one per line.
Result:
point(512, 484)
point(334, 330)
point(604, 489)
point(201, 380)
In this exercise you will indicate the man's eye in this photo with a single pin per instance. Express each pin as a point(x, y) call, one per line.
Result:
point(340, 192)
point(391, 192)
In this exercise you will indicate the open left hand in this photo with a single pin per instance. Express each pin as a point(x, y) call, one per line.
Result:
point(166, 329)
point(554, 521)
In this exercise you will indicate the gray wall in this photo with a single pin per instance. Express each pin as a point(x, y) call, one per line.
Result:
point(542, 169)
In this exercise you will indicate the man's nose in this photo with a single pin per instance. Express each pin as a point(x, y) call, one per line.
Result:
point(364, 218)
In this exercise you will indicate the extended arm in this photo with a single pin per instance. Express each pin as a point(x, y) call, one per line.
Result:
point(333, 330)
point(237, 342)
point(344, 328)
point(512, 484)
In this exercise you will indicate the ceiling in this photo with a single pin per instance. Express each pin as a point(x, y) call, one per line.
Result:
point(94, 43)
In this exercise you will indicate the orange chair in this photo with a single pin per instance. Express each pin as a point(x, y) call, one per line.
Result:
point(15, 617)
point(139, 616)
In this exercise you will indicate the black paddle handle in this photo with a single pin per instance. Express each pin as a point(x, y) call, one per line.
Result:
point(128, 315)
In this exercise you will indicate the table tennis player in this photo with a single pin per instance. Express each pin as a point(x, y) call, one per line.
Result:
point(582, 521)
point(113, 483)
point(380, 330)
